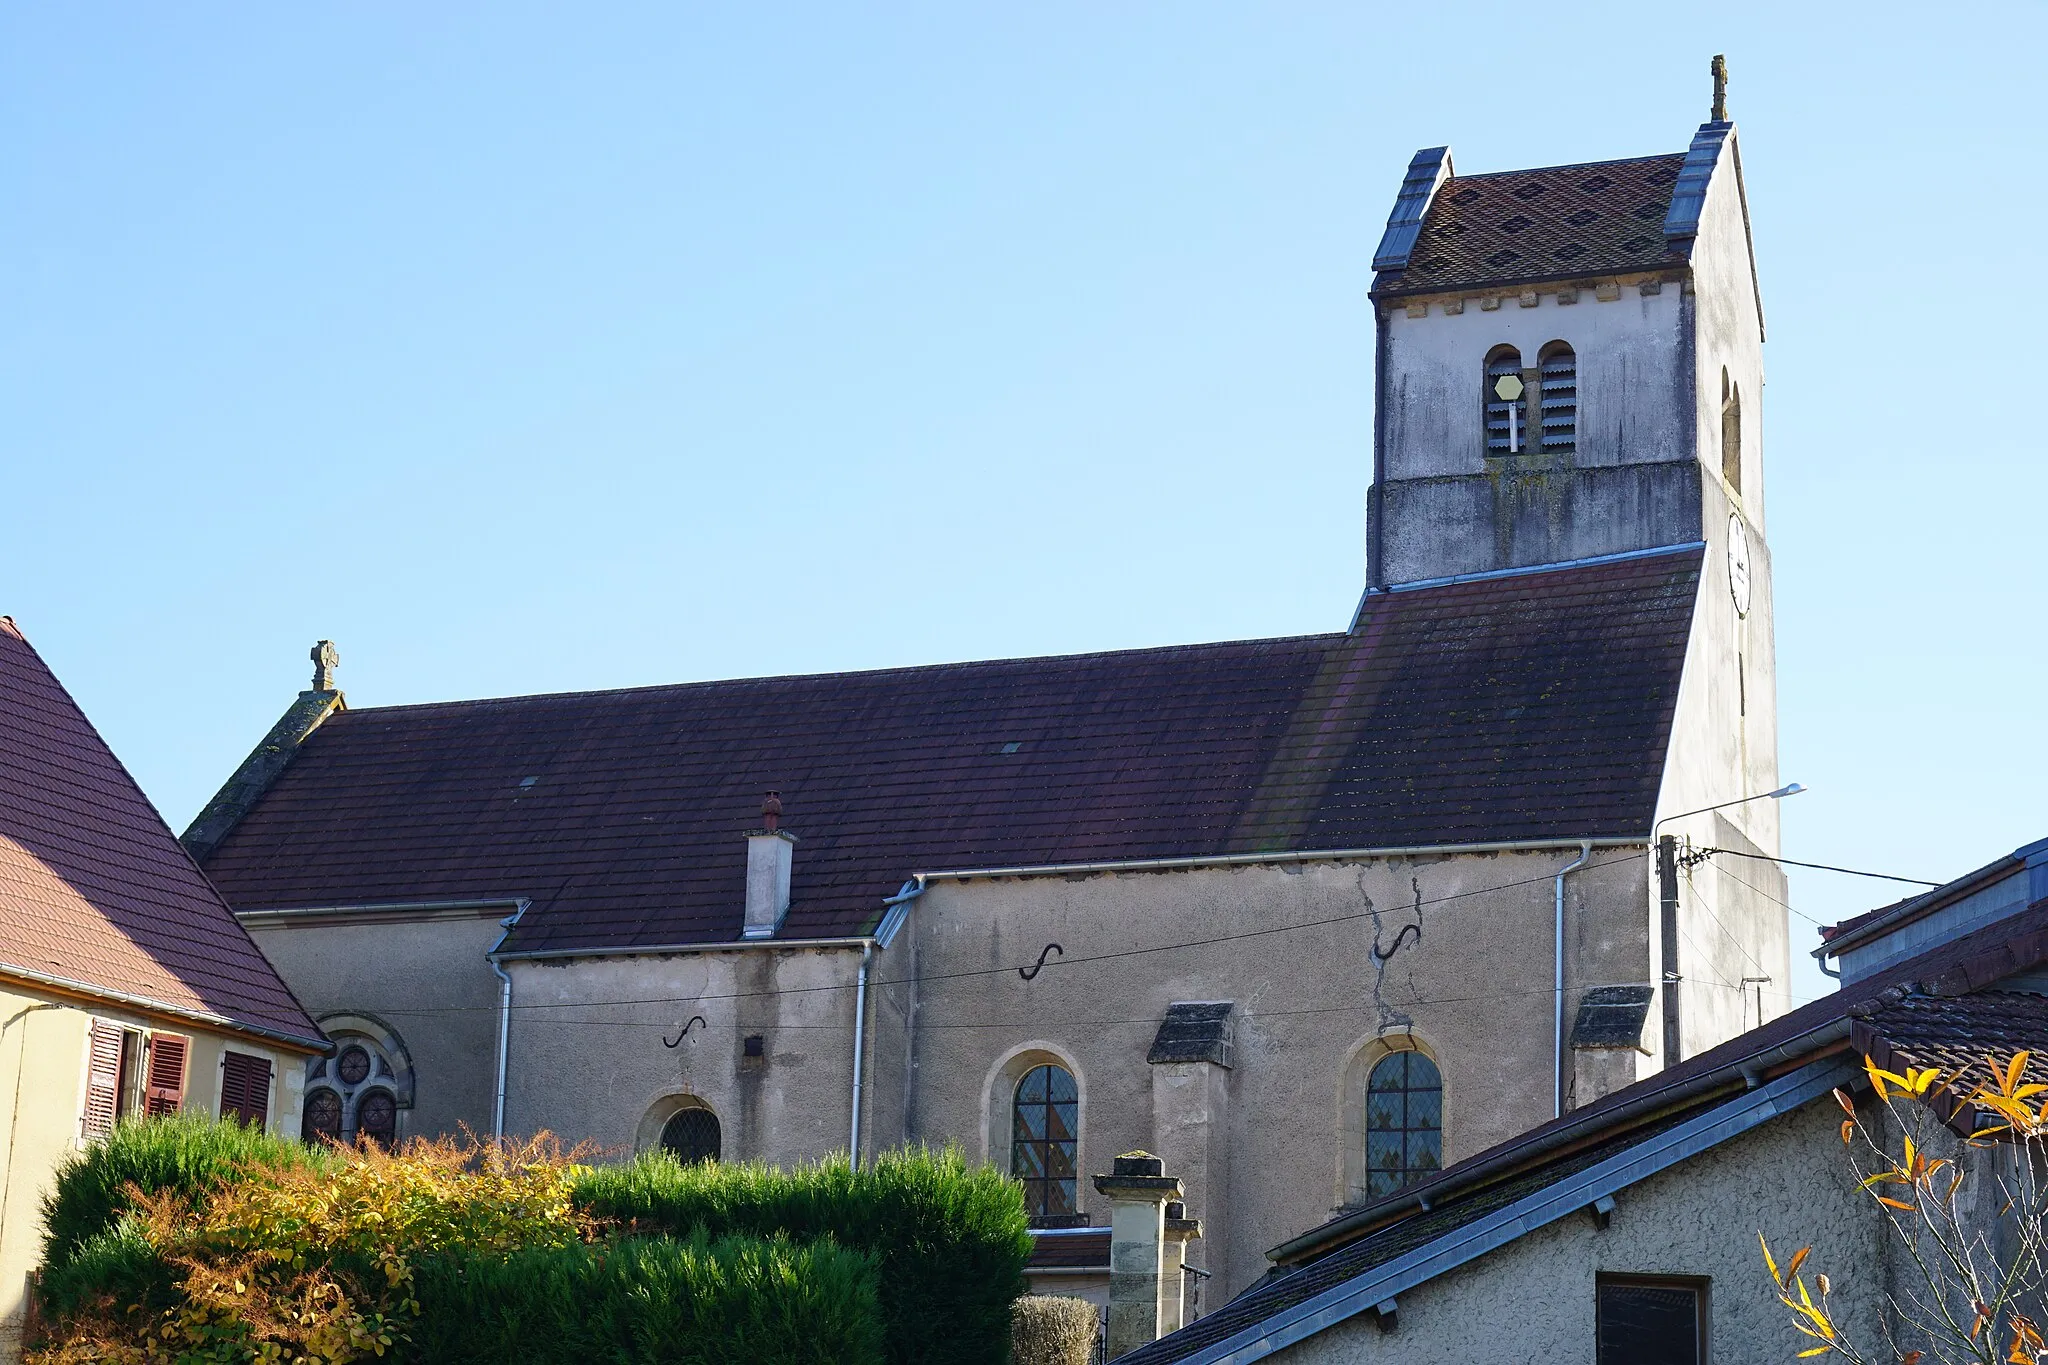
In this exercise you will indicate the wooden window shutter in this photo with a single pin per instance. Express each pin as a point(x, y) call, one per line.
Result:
point(164, 1085)
point(102, 1080)
point(245, 1088)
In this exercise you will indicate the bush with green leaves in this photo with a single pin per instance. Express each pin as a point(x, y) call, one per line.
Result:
point(949, 1240)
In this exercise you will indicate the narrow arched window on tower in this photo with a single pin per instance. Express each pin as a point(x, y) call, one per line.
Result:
point(1404, 1122)
point(1044, 1136)
point(1504, 403)
point(1731, 432)
point(1560, 399)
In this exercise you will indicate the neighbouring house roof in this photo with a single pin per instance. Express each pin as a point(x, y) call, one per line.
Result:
point(1079, 1249)
point(1837, 939)
point(1552, 223)
point(96, 896)
point(1529, 706)
point(1940, 1008)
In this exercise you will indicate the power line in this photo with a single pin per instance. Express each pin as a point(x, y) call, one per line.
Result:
point(1061, 962)
point(1823, 867)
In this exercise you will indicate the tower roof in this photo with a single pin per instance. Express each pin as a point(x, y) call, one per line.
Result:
point(1551, 223)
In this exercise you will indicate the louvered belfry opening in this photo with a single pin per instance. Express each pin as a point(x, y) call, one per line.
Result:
point(1560, 399)
point(1507, 419)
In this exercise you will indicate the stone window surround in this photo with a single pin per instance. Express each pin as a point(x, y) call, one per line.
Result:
point(1364, 1056)
point(647, 1137)
point(1000, 1086)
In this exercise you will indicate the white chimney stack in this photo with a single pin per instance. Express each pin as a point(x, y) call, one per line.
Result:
point(769, 851)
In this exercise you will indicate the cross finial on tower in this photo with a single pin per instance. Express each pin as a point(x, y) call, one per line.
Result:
point(326, 658)
point(1720, 113)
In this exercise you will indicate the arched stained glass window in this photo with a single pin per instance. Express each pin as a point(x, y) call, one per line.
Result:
point(1404, 1122)
point(322, 1117)
point(354, 1096)
point(692, 1135)
point(377, 1117)
point(1044, 1138)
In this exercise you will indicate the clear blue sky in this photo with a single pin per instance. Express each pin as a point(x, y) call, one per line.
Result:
point(524, 348)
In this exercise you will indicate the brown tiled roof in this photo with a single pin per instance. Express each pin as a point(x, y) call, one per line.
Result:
point(1528, 707)
point(1087, 1250)
point(1899, 1014)
point(94, 890)
point(1557, 222)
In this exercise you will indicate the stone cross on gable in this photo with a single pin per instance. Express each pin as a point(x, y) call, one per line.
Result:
point(326, 658)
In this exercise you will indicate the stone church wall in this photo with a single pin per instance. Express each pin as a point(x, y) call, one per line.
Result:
point(1263, 1145)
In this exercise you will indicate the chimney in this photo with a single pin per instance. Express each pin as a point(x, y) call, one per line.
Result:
point(768, 859)
point(1144, 1298)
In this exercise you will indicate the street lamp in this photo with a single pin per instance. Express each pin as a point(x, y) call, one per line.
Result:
point(1789, 789)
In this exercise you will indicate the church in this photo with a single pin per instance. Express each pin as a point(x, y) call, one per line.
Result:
point(1307, 917)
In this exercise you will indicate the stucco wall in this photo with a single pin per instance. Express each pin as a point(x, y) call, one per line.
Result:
point(1445, 508)
point(1533, 1300)
point(589, 1061)
point(43, 1054)
point(426, 980)
point(1474, 991)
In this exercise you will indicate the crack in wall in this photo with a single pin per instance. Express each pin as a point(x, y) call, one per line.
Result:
point(1390, 1018)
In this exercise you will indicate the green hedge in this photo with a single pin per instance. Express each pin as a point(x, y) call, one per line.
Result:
point(950, 1241)
point(651, 1301)
point(183, 1152)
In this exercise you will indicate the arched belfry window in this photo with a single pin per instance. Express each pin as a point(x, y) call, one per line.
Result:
point(692, 1135)
point(1044, 1136)
point(1731, 432)
point(1404, 1122)
point(1505, 402)
point(1559, 400)
point(356, 1094)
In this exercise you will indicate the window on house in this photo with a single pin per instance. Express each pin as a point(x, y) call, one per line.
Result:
point(1731, 432)
point(1045, 1139)
point(1559, 399)
point(1404, 1122)
point(106, 1064)
point(377, 1117)
point(163, 1090)
point(245, 1088)
point(692, 1135)
point(1645, 1321)
point(1505, 403)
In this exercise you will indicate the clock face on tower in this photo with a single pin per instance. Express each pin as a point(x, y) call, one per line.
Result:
point(1738, 565)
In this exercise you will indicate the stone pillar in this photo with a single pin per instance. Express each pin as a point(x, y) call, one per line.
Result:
point(1191, 1070)
point(1138, 1190)
point(1180, 1230)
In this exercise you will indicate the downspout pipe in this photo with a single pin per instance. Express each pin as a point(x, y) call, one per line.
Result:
point(507, 924)
point(1557, 1022)
point(860, 1038)
point(895, 910)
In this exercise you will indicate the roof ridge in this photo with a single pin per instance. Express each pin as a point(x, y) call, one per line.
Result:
point(1572, 166)
point(905, 669)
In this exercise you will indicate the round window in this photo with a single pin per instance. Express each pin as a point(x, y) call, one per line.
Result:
point(377, 1117)
point(354, 1066)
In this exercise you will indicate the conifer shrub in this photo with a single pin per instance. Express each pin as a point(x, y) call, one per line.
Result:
point(949, 1240)
point(648, 1300)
